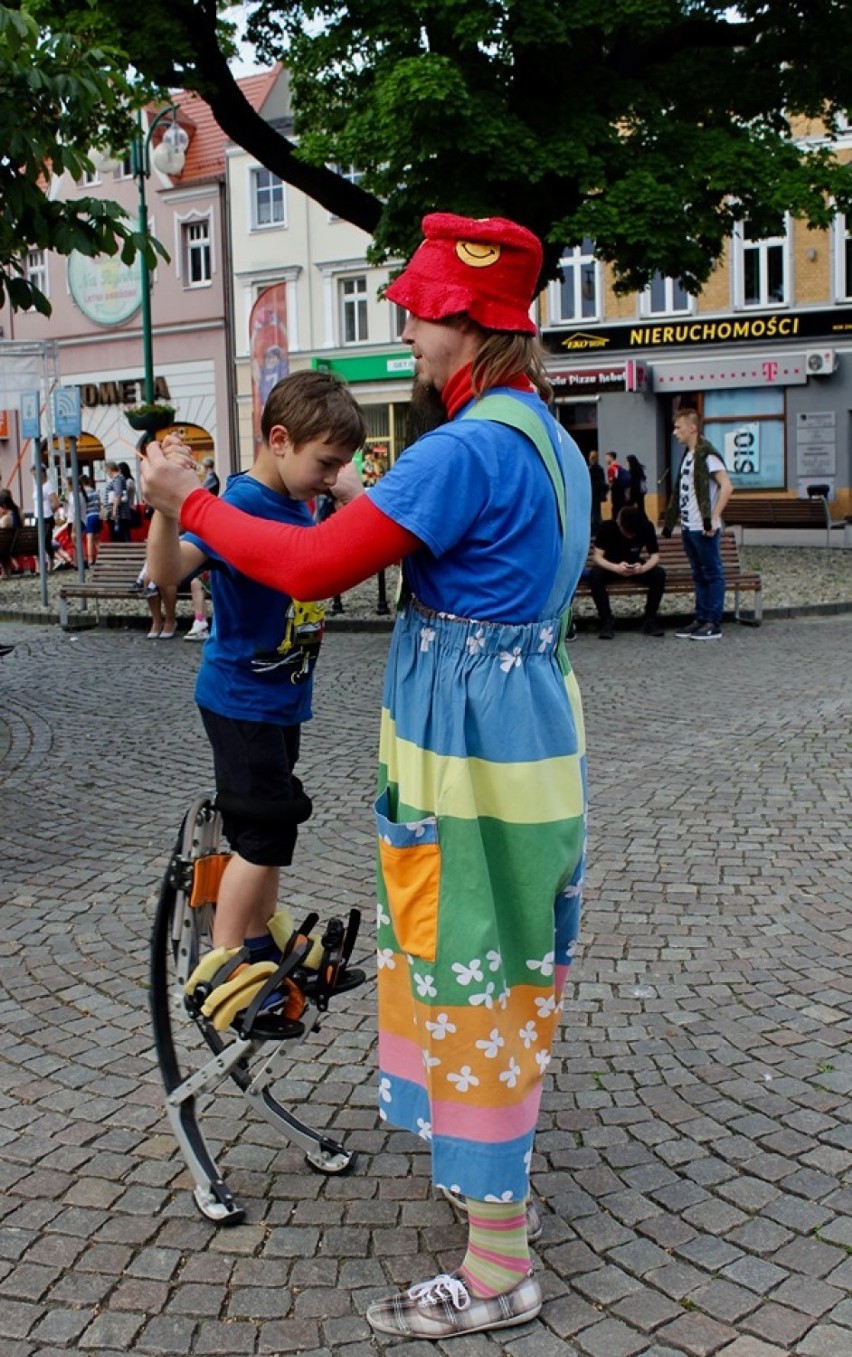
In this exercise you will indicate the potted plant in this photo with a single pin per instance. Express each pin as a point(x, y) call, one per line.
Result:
point(150, 416)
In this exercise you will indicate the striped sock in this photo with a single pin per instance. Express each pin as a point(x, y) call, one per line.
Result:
point(498, 1250)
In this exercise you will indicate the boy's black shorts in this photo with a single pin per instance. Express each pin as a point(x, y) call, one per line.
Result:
point(254, 761)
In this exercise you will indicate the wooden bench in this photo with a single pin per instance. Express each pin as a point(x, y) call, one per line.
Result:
point(17, 543)
point(679, 579)
point(113, 576)
point(813, 512)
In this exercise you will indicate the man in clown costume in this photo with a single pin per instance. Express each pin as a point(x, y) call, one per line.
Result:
point(481, 806)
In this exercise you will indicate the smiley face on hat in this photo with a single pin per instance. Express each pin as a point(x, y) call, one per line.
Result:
point(476, 254)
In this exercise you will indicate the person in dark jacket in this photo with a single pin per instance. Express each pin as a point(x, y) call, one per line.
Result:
point(597, 476)
point(638, 486)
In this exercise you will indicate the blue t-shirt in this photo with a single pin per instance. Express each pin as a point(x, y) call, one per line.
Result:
point(479, 497)
point(259, 660)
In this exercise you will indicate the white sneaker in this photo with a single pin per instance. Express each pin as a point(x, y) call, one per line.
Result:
point(199, 631)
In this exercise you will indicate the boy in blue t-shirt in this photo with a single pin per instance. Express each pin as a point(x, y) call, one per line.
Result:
point(255, 683)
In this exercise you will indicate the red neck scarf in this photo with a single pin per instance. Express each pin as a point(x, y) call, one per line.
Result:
point(458, 390)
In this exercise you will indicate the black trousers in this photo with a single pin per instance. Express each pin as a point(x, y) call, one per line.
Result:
point(653, 580)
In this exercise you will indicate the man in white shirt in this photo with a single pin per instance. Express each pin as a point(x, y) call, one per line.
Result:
point(701, 492)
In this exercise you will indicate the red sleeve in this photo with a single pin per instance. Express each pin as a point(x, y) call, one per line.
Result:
point(307, 563)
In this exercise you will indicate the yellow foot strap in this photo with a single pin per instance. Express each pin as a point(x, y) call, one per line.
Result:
point(227, 1000)
point(285, 936)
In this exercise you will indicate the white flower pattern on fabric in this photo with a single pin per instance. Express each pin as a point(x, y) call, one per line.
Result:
point(472, 971)
point(417, 828)
point(542, 1059)
point(385, 1090)
point(429, 1061)
point(510, 1076)
point(503, 996)
point(465, 1080)
point(545, 965)
point(476, 643)
point(492, 1046)
point(486, 999)
point(545, 639)
point(384, 957)
point(507, 1196)
point(442, 1027)
point(494, 959)
point(381, 917)
point(529, 1034)
point(425, 986)
point(424, 1129)
point(546, 1006)
point(427, 636)
point(510, 659)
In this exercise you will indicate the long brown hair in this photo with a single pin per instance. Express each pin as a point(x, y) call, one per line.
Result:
point(504, 355)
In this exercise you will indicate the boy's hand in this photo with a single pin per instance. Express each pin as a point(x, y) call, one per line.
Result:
point(178, 452)
point(166, 479)
point(348, 484)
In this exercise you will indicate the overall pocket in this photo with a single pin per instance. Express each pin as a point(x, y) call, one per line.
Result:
point(410, 858)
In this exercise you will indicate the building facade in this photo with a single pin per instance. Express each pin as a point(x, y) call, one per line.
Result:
point(304, 296)
point(764, 354)
point(96, 322)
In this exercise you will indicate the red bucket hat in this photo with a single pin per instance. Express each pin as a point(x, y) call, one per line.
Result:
point(486, 268)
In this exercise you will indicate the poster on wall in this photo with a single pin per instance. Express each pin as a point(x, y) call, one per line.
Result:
point(268, 350)
point(742, 451)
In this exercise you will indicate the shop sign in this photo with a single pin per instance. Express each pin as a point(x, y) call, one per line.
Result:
point(130, 391)
point(567, 381)
point(106, 291)
point(791, 369)
point(692, 332)
point(369, 367)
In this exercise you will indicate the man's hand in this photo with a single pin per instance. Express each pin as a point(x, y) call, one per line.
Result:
point(167, 479)
point(348, 485)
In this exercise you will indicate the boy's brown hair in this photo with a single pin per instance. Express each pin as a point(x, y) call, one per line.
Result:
point(314, 405)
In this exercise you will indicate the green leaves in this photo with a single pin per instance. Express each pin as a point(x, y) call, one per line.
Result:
point(650, 125)
point(60, 93)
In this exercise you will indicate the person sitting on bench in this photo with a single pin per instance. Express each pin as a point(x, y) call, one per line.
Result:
point(619, 547)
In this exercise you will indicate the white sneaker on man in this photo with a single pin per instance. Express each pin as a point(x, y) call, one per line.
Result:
point(199, 631)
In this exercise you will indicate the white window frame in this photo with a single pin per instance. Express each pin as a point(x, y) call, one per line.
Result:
point(91, 179)
point(843, 257)
point(184, 227)
point(254, 173)
point(647, 309)
point(579, 261)
point(36, 271)
point(743, 243)
point(357, 304)
point(398, 318)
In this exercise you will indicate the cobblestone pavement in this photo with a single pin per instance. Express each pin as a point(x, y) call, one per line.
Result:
point(694, 1160)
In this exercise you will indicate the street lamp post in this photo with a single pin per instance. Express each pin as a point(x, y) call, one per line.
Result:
point(169, 157)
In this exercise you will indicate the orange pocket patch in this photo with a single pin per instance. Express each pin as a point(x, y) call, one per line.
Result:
point(410, 858)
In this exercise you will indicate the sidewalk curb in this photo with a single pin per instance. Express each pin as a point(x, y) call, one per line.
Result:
point(380, 624)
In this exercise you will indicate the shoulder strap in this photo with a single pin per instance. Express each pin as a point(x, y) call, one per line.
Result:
point(507, 410)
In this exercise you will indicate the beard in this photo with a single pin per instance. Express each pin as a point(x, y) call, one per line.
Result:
point(425, 412)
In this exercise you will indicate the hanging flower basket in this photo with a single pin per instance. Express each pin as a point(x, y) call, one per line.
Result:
point(150, 418)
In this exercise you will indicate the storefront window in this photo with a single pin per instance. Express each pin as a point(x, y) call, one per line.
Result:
point(747, 427)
